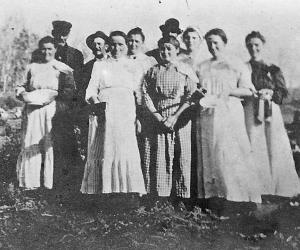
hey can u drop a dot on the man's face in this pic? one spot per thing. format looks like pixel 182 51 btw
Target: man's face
pixel 60 39
pixel 98 47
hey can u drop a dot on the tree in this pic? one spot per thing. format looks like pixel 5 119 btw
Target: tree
pixel 16 46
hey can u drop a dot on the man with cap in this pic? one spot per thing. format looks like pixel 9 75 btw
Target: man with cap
pixel 67 132
pixel 169 28
pixel 65 53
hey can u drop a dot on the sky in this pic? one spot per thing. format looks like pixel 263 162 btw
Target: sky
pixel 278 20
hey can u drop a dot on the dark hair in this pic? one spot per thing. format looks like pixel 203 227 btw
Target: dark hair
pixel 168 39
pixel 46 39
pixel 117 33
pixel 255 34
pixel 217 32
pixel 136 31
pixel 188 30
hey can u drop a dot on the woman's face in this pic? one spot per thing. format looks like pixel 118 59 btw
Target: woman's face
pixel 118 46
pixel 216 45
pixel 168 52
pixel 192 40
pixel 135 44
pixel 48 51
pixel 255 47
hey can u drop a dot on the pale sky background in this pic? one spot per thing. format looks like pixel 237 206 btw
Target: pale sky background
pixel 278 20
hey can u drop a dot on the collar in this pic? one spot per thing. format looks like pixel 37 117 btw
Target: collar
pixel 170 65
pixel 100 59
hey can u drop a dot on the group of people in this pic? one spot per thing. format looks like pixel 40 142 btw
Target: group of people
pixel 166 123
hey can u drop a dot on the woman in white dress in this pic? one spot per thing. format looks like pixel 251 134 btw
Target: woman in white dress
pixel 113 162
pixel 136 39
pixel 225 164
pixel 192 38
pixel 143 63
pixel 265 125
pixel 39 94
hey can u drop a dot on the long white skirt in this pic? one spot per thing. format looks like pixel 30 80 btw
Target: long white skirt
pixel 113 161
pixel 273 153
pixel 37 147
pixel 225 162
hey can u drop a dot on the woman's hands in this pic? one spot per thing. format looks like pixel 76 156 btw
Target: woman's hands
pixel 167 122
pixel 138 126
pixel 93 99
pixel 24 96
pixel 170 122
pixel 265 94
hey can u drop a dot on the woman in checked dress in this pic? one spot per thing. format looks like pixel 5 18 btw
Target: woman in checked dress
pixel 167 151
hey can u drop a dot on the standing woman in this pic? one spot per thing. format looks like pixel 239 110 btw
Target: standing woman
pixel 192 39
pixel 142 62
pixel 113 163
pixel 167 93
pixel 265 125
pixel 39 93
pixel 136 39
pixel 225 163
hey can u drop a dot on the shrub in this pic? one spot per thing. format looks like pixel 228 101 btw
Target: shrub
pixel 9 101
pixel 9 152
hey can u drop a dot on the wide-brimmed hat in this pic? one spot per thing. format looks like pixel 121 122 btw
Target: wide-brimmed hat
pixel 90 39
pixel 61 27
pixel 171 25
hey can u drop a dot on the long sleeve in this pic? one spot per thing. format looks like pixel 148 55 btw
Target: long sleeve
pixel 280 90
pixel 94 83
pixel 146 97
pixel 66 83
pixel 23 86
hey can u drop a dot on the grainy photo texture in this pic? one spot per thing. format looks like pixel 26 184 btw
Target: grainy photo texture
pixel 149 124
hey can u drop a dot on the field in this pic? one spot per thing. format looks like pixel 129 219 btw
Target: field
pixel 57 220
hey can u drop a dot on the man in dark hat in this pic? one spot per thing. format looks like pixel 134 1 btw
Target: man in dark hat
pixel 67 169
pixel 98 43
pixel 169 28
pixel 64 52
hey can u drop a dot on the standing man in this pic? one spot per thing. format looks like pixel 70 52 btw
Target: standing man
pixel 68 162
pixel 169 28
pixel 98 43
pixel 65 53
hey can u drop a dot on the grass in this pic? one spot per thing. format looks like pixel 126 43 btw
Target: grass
pixel 42 220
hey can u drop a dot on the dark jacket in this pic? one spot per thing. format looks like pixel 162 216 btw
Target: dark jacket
pixel 85 78
pixel 269 77
pixel 73 58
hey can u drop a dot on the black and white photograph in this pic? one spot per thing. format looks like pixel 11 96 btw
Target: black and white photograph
pixel 150 124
